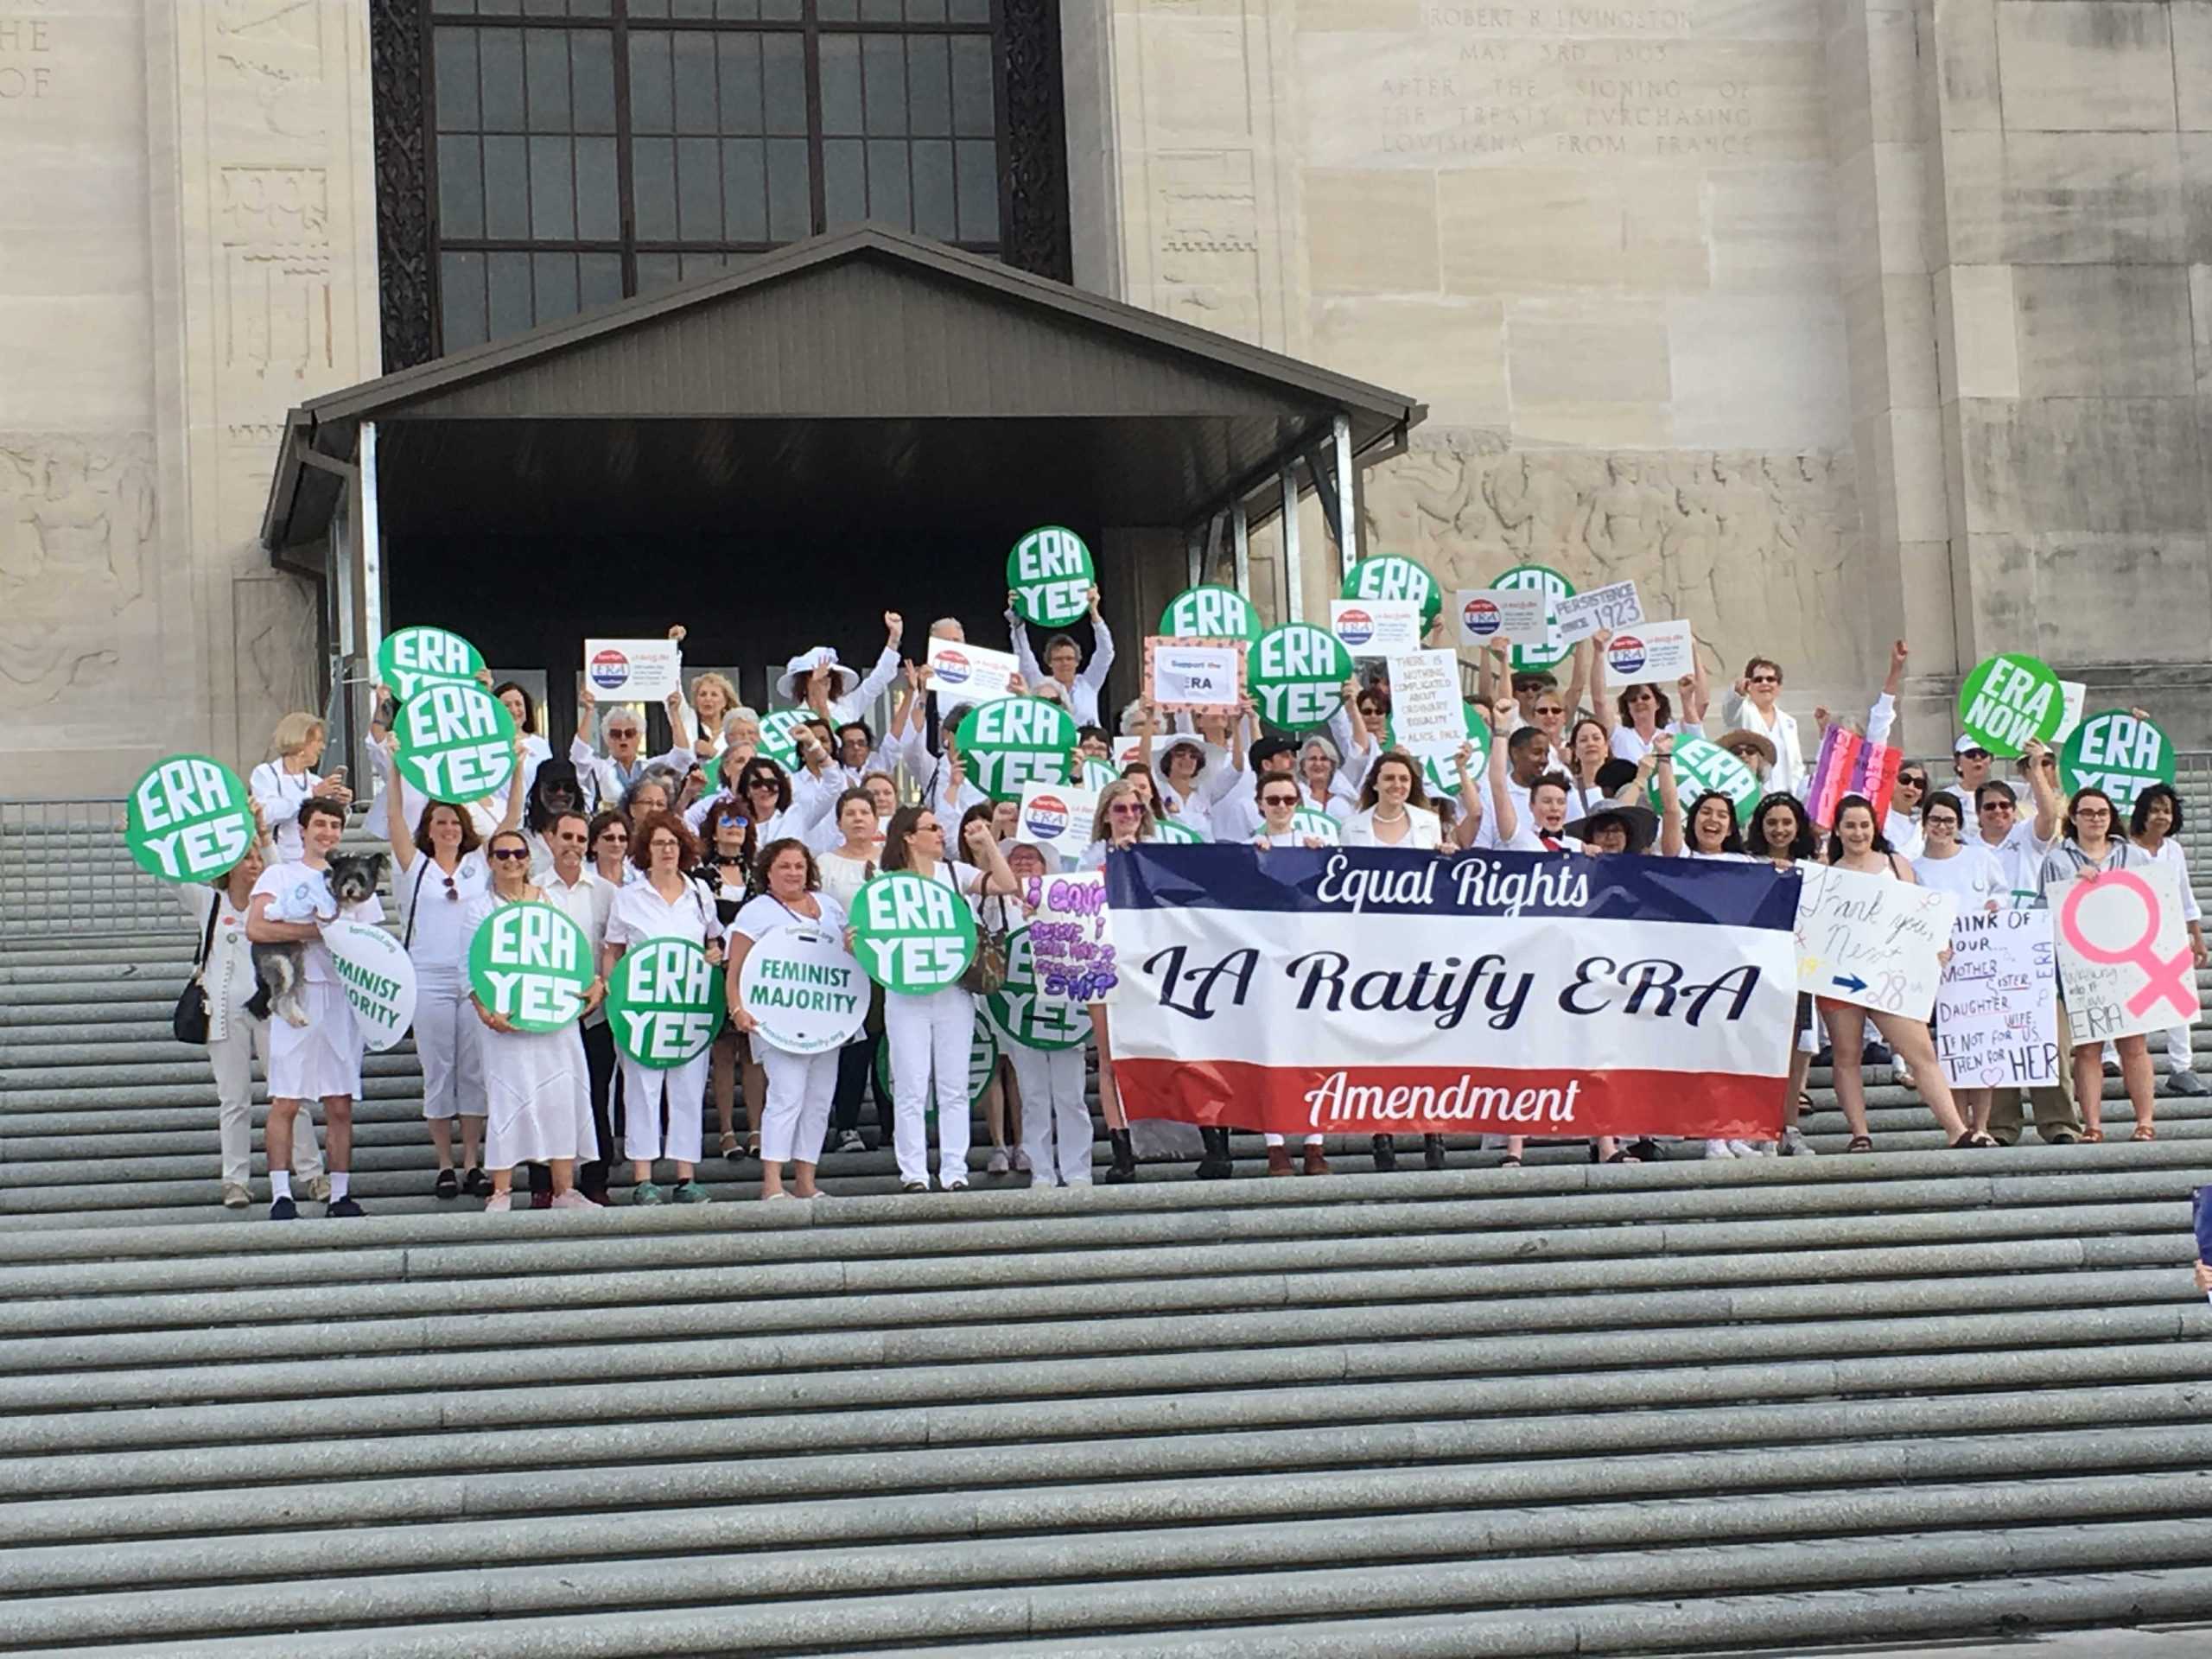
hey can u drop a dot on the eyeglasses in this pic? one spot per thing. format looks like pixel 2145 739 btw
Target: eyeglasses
pixel 928 829
pixel 505 854
pixel 1125 810
pixel 1939 821
pixel 663 844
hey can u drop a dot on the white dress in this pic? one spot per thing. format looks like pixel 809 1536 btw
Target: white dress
pixel 537 1085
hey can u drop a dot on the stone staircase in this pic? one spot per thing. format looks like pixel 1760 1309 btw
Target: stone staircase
pixel 1689 1407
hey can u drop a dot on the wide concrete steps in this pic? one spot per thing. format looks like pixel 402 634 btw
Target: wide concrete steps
pixel 1478 1411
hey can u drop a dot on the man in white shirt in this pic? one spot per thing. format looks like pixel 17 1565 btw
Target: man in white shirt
pixel 587 898
pixel 1062 654
pixel 1527 757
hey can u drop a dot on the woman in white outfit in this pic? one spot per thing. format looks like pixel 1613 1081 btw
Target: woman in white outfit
pixel 801 1087
pixel 931 1034
pixel 1056 1132
pixel 666 905
pixel 1969 872
pixel 281 786
pixel 1393 808
pixel 537 1083
pixel 2154 825
pixel 440 873
pixel 234 1037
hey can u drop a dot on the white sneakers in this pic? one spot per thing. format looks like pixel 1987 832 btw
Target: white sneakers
pixel 236 1197
pixel 1721 1149
pixel 571 1200
pixel 1741 1149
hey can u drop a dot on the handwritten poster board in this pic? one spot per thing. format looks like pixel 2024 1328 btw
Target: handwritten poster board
pixel 1997 1008
pixel 2123 952
pixel 1870 939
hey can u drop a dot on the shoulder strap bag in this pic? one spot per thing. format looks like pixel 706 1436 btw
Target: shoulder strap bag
pixel 987 973
pixel 190 1020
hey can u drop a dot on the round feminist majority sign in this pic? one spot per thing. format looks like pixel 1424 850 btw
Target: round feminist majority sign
pixel 1701 765
pixel 1393 578
pixel 531 962
pixel 1014 742
pixel 1297 674
pixel 1209 612
pixel 804 989
pixel 2118 754
pixel 188 819
pixel 1545 580
pixel 1049 573
pixel 911 935
pixel 1022 1011
pixel 2008 699
pixel 414 657
pixel 456 742
pixel 665 1003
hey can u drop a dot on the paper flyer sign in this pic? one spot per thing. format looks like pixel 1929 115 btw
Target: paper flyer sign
pixel 1997 1008
pixel 1071 941
pixel 1660 653
pixel 1615 606
pixel 1057 815
pixel 1872 939
pixel 1189 675
pixel 632 670
pixel 1428 715
pixel 2074 696
pixel 962 673
pixel 1376 628
pixel 2123 952
pixel 1497 616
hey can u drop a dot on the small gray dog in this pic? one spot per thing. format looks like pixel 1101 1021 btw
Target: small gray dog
pixel 280 971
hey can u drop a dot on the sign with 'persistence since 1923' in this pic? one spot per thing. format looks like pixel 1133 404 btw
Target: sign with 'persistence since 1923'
pixel 632 670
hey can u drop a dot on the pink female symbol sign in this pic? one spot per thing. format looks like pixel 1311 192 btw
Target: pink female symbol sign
pixel 2166 979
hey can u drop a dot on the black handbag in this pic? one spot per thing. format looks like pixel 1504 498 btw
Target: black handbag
pixel 987 972
pixel 189 1022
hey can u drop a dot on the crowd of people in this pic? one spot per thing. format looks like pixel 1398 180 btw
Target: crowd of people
pixel 713 842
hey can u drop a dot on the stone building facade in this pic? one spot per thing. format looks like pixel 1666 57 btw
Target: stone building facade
pixel 1828 321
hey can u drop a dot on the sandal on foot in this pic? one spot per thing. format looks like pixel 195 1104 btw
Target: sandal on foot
pixel 1971 1138
pixel 2093 1135
pixel 2144 1132
pixel 729 1143
pixel 1509 1162
pixel 1859 1143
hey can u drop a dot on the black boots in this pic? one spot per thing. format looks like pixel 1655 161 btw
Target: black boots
pixel 1386 1151
pixel 1124 1169
pixel 1432 1150
pixel 1215 1165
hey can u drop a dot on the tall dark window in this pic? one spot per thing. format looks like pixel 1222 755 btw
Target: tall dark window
pixel 582 150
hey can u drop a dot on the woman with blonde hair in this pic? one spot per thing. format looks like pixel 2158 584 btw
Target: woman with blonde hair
pixel 281 786
pixel 1124 817
pixel 698 723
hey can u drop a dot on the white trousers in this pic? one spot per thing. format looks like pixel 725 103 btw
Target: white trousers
pixel 687 1092
pixel 796 1116
pixel 930 1033
pixel 1276 1139
pixel 233 1056
pixel 449 1041
pixel 1055 1117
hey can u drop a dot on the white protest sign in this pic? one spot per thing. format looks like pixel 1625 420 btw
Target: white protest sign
pixel 1376 628
pixel 1057 815
pixel 632 670
pixel 960 673
pixel 377 976
pixel 1497 616
pixel 1186 676
pixel 1997 1008
pixel 2073 696
pixel 1614 605
pixel 1870 939
pixel 2123 952
pixel 1126 747
pixel 1071 936
pixel 1427 715
pixel 804 989
pixel 1660 653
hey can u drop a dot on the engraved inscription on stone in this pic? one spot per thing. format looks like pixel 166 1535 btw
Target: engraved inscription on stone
pixel 26 58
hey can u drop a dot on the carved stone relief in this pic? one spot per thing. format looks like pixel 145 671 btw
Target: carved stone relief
pixel 274 616
pixel 76 524
pixel 1750 547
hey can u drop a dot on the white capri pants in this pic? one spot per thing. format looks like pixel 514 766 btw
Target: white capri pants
pixel 447 1041
pixel 796 1114
pixel 687 1093
pixel 232 1055
pixel 1055 1117
pixel 937 1030
pixel 1276 1139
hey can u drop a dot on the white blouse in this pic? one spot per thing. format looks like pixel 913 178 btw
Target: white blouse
pixel 1424 831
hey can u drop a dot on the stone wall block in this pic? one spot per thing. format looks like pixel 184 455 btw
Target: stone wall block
pixel 2085 66
pixel 1979 354
pixel 2191 21
pixel 2063 198
pixel 1962 34
pixel 2104 331
pixel 2119 465
pixel 1370 232
pixel 2105 596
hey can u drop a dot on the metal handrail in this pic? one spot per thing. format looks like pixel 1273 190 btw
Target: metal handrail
pixel 65 873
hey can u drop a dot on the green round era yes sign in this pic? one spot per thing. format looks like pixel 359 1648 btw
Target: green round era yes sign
pixel 664 1002
pixel 456 742
pixel 2008 699
pixel 414 657
pixel 1544 579
pixel 1049 573
pixel 779 741
pixel 1023 1014
pixel 1701 765
pixel 1209 612
pixel 1392 578
pixel 533 964
pixel 911 935
pixel 1297 673
pixel 188 819
pixel 1014 742
pixel 2116 753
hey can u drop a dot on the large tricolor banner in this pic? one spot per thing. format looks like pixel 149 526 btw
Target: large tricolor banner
pixel 1376 991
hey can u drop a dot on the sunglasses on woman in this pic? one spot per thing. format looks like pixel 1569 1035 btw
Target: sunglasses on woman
pixel 505 855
